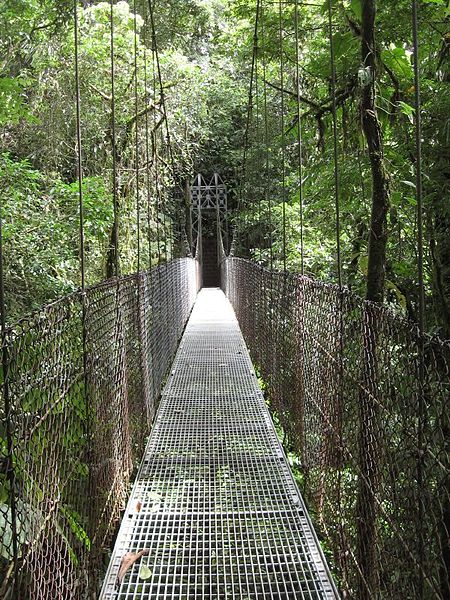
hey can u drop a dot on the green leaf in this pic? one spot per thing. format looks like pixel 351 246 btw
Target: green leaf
pixel 145 573
pixel 12 100
pixel 356 7
pixel 398 60
pixel 153 496
pixel 4 489
pixel 409 183
pixel 344 43
pixel 74 521
pixel 407 110
pixel 364 263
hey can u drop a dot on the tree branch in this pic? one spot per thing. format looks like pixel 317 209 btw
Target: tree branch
pixel 100 93
pixel 293 94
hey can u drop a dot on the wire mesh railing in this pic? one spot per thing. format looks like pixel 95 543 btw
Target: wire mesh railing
pixel 348 379
pixel 82 380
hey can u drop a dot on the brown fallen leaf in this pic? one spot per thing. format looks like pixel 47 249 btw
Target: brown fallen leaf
pixel 138 506
pixel 128 561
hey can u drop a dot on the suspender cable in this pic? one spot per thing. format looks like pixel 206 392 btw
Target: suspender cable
pixel 166 198
pixel 155 158
pixel 250 91
pixel 155 139
pixel 335 144
pixel 10 474
pixel 249 108
pixel 421 311
pixel 299 138
pixel 268 294
pixel 79 149
pixel 136 149
pixel 163 195
pixel 82 250
pixel 114 147
pixel 419 187
pixel 162 94
pixel 147 168
pixel 267 195
pixel 283 140
pixel 258 141
pixel 338 407
pixel 161 88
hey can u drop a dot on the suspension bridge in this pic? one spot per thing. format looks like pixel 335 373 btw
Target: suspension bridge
pixel 139 455
pixel 214 503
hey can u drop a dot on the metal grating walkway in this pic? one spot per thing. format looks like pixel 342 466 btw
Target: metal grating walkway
pixel 214 501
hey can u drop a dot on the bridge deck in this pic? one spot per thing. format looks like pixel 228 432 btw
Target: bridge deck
pixel 214 501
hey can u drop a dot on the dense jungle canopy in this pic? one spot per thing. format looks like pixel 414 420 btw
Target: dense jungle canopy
pixel 205 50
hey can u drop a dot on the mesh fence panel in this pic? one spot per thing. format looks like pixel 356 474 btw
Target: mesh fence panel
pixel 346 379
pixel 83 379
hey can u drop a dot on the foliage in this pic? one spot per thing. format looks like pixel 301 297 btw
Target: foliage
pixel 205 51
pixel 40 230
pixel 395 101
pixel 205 54
pixel 38 176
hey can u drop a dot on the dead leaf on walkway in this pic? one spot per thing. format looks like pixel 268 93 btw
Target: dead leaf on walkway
pixel 128 561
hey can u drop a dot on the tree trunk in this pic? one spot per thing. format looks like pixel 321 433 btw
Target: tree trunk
pixel 439 226
pixel 366 509
pixel 380 179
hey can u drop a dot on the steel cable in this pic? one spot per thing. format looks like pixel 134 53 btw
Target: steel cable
pixel 114 145
pixel 136 126
pixel 267 195
pixel 335 145
pixel 421 311
pixel 283 138
pixel 242 205
pixel 299 137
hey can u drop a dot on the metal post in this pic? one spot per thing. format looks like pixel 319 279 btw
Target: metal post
pixel 188 202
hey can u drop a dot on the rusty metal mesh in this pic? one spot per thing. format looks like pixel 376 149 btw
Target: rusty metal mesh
pixel 214 505
pixel 80 409
pixel 346 379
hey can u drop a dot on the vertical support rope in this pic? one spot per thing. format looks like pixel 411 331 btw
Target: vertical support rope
pixel 267 195
pixel 283 139
pixel 299 138
pixel 421 319
pixel 163 101
pixel 249 114
pixel 268 293
pixel 147 168
pixel 10 473
pixel 160 81
pixel 149 163
pixel 79 151
pixel 136 149
pixel 114 145
pixel 155 158
pixel 419 187
pixel 335 144
pixel 79 148
pixel 338 408
pixel 257 136
pixel 140 344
